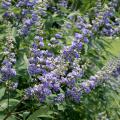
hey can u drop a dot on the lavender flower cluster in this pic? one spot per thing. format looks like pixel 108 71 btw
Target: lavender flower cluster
pixel 112 69
pixel 57 8
pixel 7 70
pixel 104 19
pixel 102 25
pixel 25 13
pixel 81 37
pixel 50 71
pixel 53 83
pixel 59 74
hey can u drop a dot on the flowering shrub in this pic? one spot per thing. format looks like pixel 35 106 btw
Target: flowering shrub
pixel 50 52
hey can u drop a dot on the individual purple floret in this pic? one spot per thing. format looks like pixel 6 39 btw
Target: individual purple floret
pixel 58 36
pixel 13 85
pixel 63 3
pixel 60 98
pixel 6 4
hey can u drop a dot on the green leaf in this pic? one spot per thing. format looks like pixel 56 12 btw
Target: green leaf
pixel 26 60
pixel 45 116
pixel 2 92
pixel 44 111
pixel 2 116
pixel 4 103
pixel 12 117
pixel 14 32
pixel 25 114
pixel 16 10
pixel 60 107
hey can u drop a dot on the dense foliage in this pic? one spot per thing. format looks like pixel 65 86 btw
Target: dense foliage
pixel 53 57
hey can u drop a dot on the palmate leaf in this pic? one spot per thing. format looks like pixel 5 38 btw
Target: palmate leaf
pixel 42 112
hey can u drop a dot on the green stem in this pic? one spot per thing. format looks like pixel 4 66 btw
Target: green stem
pixel 8 96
